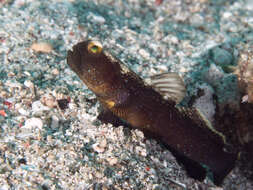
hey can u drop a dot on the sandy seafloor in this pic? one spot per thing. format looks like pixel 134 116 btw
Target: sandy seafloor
pixel 43 146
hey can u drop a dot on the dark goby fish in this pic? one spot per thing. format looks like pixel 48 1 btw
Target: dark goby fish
pixel 151 108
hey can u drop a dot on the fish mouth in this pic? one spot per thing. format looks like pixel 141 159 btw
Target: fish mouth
pixel 70 60
pixel 69 53
pixel 74 62
pixel 69 56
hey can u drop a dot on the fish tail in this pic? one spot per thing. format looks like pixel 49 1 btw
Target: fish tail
pixel 224 168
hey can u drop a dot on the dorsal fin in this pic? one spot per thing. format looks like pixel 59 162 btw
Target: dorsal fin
pixel 169 85
pixel 196 115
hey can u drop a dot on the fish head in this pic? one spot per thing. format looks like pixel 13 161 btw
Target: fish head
pixel 94 66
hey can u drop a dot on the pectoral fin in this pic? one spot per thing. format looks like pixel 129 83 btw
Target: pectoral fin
pixel 169 85
pixel 106 116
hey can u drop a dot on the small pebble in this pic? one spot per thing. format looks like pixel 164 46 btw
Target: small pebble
pixel 22 161
pixel 48 100
pixel 112 161
pixel 55 71
pixel 37 106
pixel 23 111
pixel 97 148
pixel 42 47
pixel 29 84
pixel 141 151
pixel 222 57
pixel 3 113
pixel 144 53
pixel 5 187
pixel 54 122
pixel 103 143
pixel 96 18
pixel 197 20
pixel 63 103
pixel 33 123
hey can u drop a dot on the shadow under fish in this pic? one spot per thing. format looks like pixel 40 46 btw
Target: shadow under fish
pixel 153 109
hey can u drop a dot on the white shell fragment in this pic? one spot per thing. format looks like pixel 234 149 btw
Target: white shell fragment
pixel 42 47
pixel 37 106
pixel 33 123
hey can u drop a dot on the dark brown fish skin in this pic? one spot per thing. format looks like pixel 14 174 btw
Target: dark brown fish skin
pixel 124 93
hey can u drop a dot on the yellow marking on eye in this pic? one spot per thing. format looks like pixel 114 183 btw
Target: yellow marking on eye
pixel 110 103
pixel 95 47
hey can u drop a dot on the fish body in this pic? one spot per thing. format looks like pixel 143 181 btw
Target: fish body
pixel 123 93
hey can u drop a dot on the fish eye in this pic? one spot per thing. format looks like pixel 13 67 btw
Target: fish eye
pixel 95 47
